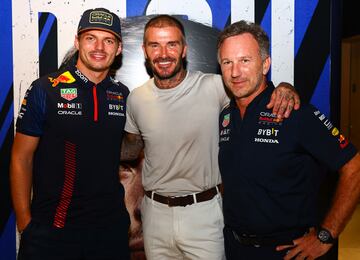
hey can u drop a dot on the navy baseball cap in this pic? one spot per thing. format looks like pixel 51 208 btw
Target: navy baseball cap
pixel 100 19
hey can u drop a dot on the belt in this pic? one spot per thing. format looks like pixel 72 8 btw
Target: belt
pixel 185 200
pixel 283 238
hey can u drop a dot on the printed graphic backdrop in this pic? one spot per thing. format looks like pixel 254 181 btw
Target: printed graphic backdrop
pixel 35 35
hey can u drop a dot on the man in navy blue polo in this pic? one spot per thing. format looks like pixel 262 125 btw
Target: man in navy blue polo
pixel 270 167
pixel 67 151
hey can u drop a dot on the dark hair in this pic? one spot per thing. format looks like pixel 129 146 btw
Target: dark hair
pixel 242 27
pixel 165 20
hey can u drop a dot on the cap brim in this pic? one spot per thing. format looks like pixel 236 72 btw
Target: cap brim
pixel 100 29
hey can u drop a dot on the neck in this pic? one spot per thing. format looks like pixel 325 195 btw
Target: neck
pixel 243 102
pixel 171 82
pixel 93 76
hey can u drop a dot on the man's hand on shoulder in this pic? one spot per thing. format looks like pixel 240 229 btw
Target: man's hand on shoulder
pixel 283 100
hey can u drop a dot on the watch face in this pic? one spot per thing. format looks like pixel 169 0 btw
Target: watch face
pixel 324 236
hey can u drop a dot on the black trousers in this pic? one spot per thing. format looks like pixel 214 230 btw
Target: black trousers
pixel 235 251
pixel 40 241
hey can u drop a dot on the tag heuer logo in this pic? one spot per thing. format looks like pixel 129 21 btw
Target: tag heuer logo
pixel 226 120
pixel 68 93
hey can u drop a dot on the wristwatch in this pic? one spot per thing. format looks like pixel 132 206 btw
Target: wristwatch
pixel 325 236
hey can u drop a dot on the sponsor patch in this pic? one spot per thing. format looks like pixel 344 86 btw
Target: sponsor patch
pixel 266 140
pixel 68 93
pixel 111 95
pixel 69 105
pixel 268 132
pixel 343 141
pixel 335 132
pixel 116 107
pixel 226 120
pixel 66 78
pixel 81 76
pixel 101 17
pixel 267 118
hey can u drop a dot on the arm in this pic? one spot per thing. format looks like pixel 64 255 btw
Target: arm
pixel 283 100
pixel 132 145
pixel 21 167
pixel 344 203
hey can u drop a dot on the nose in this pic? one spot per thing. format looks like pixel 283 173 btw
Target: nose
pixel 163 52
pixel 99 45
pixel 236 70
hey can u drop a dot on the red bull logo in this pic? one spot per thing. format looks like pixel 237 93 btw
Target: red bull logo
pixel 66 78
pixel 343 142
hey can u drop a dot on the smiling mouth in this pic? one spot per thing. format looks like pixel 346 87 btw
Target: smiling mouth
pixel 238 81
pixel 164 62
pixel 98 56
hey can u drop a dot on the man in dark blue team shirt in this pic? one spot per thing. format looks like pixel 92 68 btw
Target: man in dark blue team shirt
pixel 67 151
pixel 270 167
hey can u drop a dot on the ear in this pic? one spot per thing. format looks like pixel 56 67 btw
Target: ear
pixel 76 42
pixel 144 51
pixel 266 65
pixel 119 48
pixel 184 51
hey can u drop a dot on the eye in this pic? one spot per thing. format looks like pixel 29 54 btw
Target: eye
pixel 172 44
pixel 89 38
pixel 110 41
pixel 245 60
pixel 153 45
pixel 225 62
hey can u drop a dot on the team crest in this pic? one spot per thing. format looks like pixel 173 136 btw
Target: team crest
pixel 66 77
pixel 68 93
pixel 226 120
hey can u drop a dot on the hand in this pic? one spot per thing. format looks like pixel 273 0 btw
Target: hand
pixel 22 224
pixel 283 100
pixel 307 247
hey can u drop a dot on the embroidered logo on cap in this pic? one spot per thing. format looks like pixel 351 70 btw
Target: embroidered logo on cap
pixel 101 17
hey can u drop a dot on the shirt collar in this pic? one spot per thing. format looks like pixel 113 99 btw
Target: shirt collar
pixel 85 81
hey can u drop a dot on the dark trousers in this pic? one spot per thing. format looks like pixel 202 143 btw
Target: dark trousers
pixel 236 251
pixel 39 242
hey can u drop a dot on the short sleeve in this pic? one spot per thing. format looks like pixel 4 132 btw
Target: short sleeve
pixel 323 140
pixel 130 125
pixel 31 116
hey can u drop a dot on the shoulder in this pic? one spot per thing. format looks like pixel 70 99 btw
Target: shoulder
pixel 209 77
pixel 308 116
pixel 208 82
pixel 141 91
pixel 117 85
pixel 52 80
